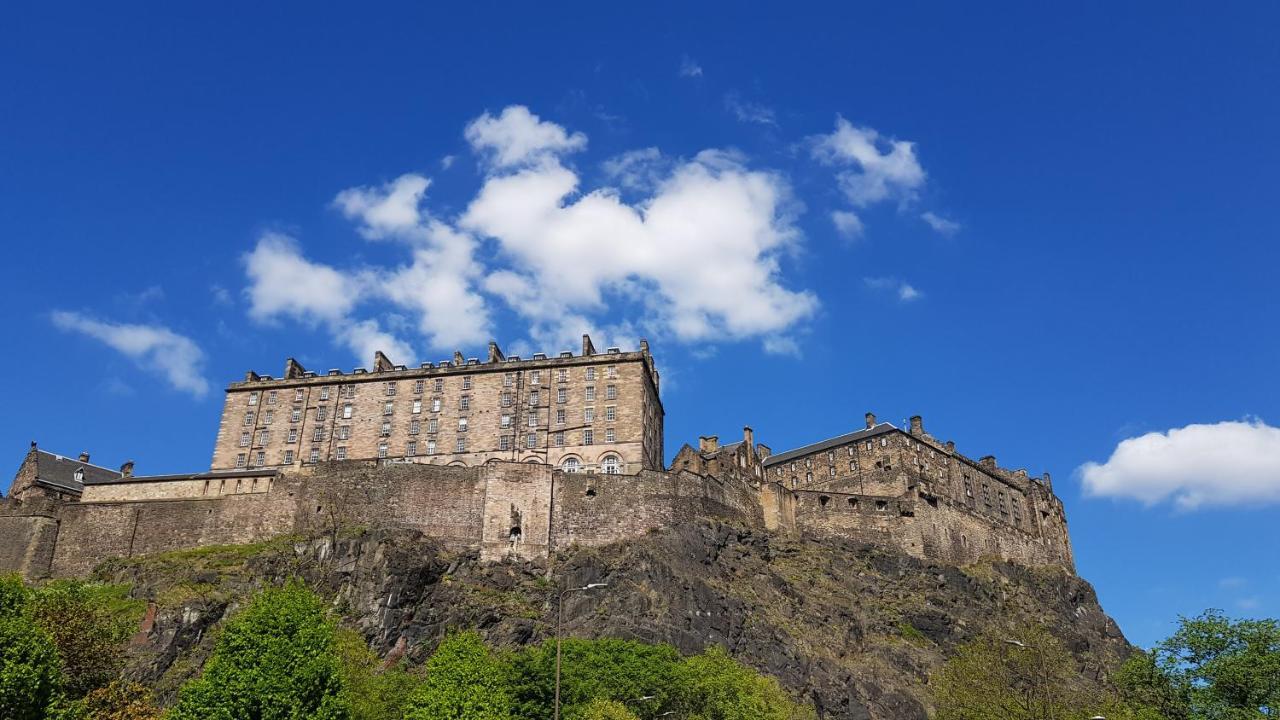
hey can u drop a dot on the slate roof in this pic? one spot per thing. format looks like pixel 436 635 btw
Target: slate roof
pixel 59 472
pixel 880 429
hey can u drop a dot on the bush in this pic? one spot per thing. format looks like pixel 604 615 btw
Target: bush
pixel 120 700
pixel 464 682
pixel 88 633
pixel 30 670
pixel 374 693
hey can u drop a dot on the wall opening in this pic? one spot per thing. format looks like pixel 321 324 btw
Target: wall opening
pixel 823 500
pixel 853 502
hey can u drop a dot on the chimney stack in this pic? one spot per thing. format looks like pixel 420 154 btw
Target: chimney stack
pixel 748 436
pixel 709 443
pixel 1048 482
pixel 587 348
pixel 458 360
pixel 951 447
pixel 293 369
pixel 988 461
pixel 644 346
pixel 126 470
pixel 382 363
pixel 84 457
pixel 871 420
pixel 495 352
pixel 917 425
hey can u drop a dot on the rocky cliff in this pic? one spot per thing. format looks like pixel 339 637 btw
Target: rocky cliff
pixel 855 628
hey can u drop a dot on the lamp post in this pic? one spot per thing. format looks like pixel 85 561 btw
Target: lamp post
pixel 559 617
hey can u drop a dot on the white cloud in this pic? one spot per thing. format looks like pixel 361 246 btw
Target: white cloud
pixel 221 296
pixel 689 68
pixel 637 169
pixel 1233 463
pixel 904 291
pixel 282 283
pixel 847 223
pixel 940 224
pixel 874 169
pixel 749 112
pixel 387 211
pixel 517 137
pixel 177 357
pixel 447 161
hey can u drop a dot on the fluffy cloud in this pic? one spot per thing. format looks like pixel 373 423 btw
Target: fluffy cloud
pixel 903 291
pixel 517 137
pixel 848 224
pixel 871 169
pixel 282 283
pixel 387 211
pixel 1224 464
pixel 177 357
pixel 940 224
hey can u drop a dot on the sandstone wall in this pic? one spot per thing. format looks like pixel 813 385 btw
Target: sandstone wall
pixel 27 540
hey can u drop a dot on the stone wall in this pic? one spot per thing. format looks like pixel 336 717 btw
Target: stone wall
pixel 27 540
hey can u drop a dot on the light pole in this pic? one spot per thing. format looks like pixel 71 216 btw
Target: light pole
pixel 559 617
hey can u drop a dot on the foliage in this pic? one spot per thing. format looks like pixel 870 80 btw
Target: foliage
pixel 1147 691
pixel 714 686
pixel 601 709
pixel 374 693
pixel 464 682
pixel 608 669
pixel 275 660
pixel 120 700
pixel 14 595
pixel 1026 675
pixel 30 670
pixel 88 624
pixel 1228 669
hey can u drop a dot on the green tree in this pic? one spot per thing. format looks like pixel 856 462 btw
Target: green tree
pixel 374 692
pixel 275 660
pixel 1145 691
pixel 714 686
pixel 120 700
pixel 1230 669
pixel 1025 675
pixel 464 681
pixel 88 635
pixel 607 669
pixel 30 670
pixel 14 595
pixel 602 709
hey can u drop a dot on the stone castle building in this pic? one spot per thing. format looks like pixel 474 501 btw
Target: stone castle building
pixel 513 457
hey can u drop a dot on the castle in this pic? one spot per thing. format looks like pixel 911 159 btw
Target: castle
pixel 512 457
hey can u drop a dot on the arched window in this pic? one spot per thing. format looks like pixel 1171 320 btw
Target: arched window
pixel 611 465
pixel 570 465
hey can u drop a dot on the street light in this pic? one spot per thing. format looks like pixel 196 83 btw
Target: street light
pixel 559 617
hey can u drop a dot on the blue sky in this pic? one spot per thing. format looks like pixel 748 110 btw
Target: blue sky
pixel 1046 232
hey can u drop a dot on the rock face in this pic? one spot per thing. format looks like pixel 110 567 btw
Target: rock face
pixel 855 628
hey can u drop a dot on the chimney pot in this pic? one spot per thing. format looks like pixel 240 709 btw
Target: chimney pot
pixel 84 457
pixel 917 425
pixel 126 470
pixel 951 446
pixel 871 420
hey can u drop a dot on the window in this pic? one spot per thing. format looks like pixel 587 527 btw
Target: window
pixel 506 399
pixel 831 471
pixel 261 459
pixel 412 448
pixel 382 450
pixel 391 388
pixel 533 398
pixel 253 398
pixel 435 405
pixel 535 377
pixel 461 445
pixel 341 453
pixel 244 439
pixel 348 391
pixel 591 393
pixel 322 412
pixel 504 442
pixel 531 440
pixel 610 435
pixel 346 411
pixel 324 393
pixel 882 505
pixel 271 397
pixel 533 421
pixel 562 395
pixel 462 424
pixel 293 435
pixel 315 454
pixel 417 407
pixel 570 465
pixel 417 387
pixel 611 465
pixel 853 465
pixel 588 438
pixel 504 421
pixel 268 417
pixel 386 429
pixel 295 415
pixel 433 425
pixel 808 478
pixel 559 439
pixel 588 414
pixel 884 442
pixel 344 432
pixel 431 447
pixel 611 372
pixel 318 435
pixel 560 415
pixel 508 379
pixel 388 407
pixel 464 402
pixel 297 395
pixel 288 457
pixel 562 375
pixel 439 385
pixel 610 413
pixel 248 418
pixel 591 374
pixel 610 392
pixel 414 427
pixel 240 460
pixel 466 383
pixel 264 437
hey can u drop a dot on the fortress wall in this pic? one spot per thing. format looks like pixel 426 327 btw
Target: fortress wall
pixel 174 489
pixel 517 510
pixel 27 542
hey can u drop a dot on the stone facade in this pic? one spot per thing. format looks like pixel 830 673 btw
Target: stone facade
pixel 880 484
pixel 590 411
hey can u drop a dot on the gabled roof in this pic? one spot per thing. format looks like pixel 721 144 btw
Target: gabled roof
pixel 60 473
pixel 845 439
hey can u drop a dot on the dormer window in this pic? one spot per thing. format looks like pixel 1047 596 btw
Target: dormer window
pixel 79 475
